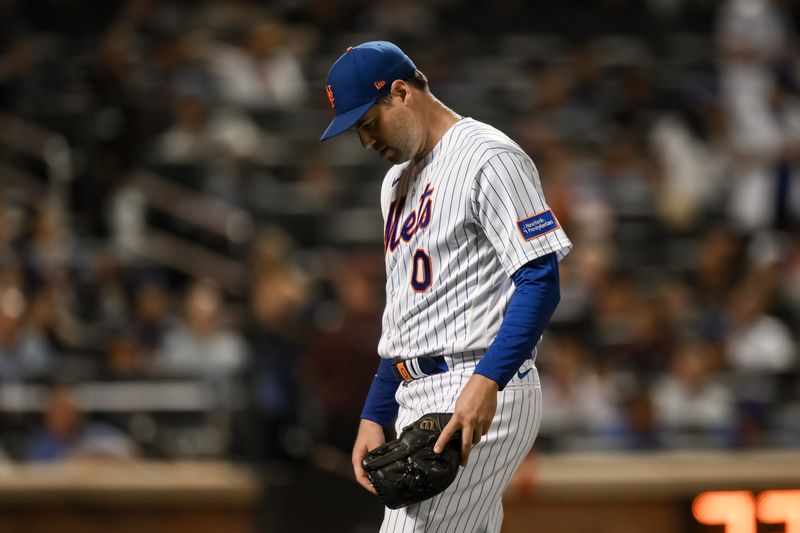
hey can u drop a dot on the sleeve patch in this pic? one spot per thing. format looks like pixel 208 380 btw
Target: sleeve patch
pixel 538 225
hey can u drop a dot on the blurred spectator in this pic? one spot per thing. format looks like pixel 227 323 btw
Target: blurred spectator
pixel 273 248
pixel 227 18
pixel 50 253
pixel 588 91
pixel 757 341
pixel 342 358
pixel 639 430
pixel 152 315
pixel 201 345
pixel 277 339
pixel 689 146
pixel 260 72
pixel 52 257
pixel 717 267
pixel 789 282
pixel 691 408
pixel 99 192
pixel 21 84
pixel 12 223
pixel 318 189
pixel 51 316
pixel 67 435
pixel 651 339
pixel 110 301
pixel 116 72
pixel 753 425
pixel 552 88
pixel 82 313
pixel 629 177
pixel 202 134
pixel 786 101
pixel 125 360
pixel 614 305
pixel 578 404
pixel 679 309
pixel 399 19
pixel 116 82
pixel 752 36
pixel 639 101
pixel 126 217
pixel 24 352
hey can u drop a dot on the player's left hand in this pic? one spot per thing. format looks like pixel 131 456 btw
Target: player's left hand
pixel 473 414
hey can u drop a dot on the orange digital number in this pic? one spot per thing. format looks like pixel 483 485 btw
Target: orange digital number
pixel 736 510
pixel 780 506
pixel 739 511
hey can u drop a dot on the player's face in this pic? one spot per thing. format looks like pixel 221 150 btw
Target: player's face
pixel 388 128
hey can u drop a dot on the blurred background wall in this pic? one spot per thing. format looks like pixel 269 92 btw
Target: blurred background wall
pixel 186 274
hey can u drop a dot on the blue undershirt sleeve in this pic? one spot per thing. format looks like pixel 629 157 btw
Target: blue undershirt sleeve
pixel 535 297
pixel 380 405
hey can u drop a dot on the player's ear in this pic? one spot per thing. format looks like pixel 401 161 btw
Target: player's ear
pixel 401 89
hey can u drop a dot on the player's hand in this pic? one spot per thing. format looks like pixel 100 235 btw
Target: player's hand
pixel 473 415
pixel 370 436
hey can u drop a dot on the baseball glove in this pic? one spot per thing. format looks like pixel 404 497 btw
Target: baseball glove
pixel 407 470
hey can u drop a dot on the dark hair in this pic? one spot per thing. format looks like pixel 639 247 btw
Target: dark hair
pixel 417 80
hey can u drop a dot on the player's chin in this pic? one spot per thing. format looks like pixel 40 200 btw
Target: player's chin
pixel 394 157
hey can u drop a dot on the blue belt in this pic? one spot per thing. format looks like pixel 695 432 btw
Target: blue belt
pixel 419 367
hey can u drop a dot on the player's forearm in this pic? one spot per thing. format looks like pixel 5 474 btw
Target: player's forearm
pixel 380 405
pixel 536 296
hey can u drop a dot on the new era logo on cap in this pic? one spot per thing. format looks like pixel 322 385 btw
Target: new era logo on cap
pixel 359 77
pixel 331 99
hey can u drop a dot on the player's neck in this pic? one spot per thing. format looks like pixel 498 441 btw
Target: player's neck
pixel 439 118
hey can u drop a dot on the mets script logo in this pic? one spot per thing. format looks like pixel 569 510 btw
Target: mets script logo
pixel 329 90
pixel 417 219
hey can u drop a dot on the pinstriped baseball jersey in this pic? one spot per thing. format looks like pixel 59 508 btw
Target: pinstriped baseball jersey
pixel 458 224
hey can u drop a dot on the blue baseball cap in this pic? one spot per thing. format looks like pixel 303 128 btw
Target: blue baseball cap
pixel 359 77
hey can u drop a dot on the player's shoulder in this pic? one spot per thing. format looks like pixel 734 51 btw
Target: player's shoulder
pixel 483 141
pixel 475 129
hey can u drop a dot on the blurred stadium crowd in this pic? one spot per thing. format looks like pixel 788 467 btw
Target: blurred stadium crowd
pixel 186 272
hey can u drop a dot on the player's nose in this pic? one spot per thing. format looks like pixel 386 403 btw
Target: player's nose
pixel 367 141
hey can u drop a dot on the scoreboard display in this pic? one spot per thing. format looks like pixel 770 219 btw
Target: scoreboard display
pixel 742 511
pixel 670 492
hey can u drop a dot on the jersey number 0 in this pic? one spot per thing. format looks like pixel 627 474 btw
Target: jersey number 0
pixel 421 271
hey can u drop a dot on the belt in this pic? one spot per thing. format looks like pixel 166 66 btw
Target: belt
pixel 419 367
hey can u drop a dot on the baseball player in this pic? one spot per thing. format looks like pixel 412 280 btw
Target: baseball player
pixel 471 251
